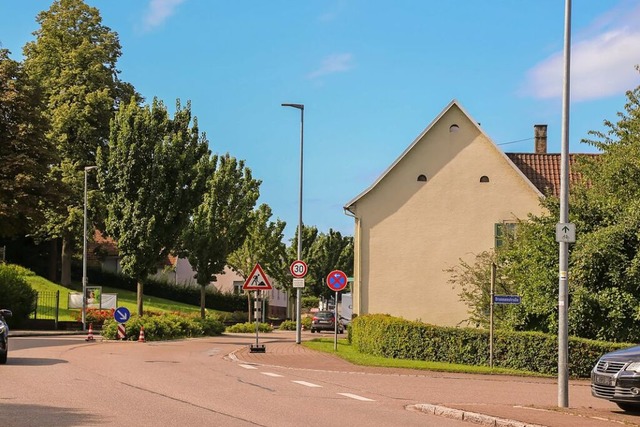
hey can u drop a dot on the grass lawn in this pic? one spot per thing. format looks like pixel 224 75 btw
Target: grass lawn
pixel 125 299
pixel 350 354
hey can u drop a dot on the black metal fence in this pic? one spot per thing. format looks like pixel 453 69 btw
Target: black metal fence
pixel 47 306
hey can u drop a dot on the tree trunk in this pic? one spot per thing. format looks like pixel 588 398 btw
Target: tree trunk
pixel 140 296
pixel 53 260
pixel 203 295
pixel 65 278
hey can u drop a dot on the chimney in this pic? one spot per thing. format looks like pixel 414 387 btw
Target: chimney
pixel 540 137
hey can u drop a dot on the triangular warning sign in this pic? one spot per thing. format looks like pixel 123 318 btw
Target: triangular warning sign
pixel 257 280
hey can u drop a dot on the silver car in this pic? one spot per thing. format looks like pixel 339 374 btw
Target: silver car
pixel 616 377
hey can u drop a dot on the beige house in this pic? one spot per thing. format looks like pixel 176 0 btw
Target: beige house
pixel 445 198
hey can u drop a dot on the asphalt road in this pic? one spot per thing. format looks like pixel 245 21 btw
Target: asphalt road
pixel 66 381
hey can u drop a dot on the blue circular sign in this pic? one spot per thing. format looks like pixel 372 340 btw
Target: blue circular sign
pixel 121 314
pixel 337 280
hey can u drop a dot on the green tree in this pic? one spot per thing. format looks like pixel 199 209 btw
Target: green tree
pixel 153 175
pixel 73 57
pixel 330 251
pixel 25 153
pixel 219 225
pixel 263 245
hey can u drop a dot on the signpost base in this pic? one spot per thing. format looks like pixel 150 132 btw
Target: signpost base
pixel 257 349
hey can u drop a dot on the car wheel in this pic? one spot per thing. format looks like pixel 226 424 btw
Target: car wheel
pixel 3 357
pixel 313 331
pixel 631 407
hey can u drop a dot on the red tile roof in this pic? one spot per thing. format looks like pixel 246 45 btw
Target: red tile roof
pixel 543 170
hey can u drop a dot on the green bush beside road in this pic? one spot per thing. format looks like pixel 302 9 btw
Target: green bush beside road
pixel 164 326
pixel 15 293
pixel 387 336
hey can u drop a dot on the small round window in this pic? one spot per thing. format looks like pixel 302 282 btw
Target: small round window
pixel 454 128
pixel 484 178
pixel 422 178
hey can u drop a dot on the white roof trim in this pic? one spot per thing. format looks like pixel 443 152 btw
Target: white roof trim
pixel 422 134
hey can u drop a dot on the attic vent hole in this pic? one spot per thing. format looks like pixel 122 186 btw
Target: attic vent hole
pixel 422 178
pixel 454 128
pixel 484 178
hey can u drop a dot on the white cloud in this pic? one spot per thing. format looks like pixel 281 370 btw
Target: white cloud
pixel 337 63
pixel 602 61
pixel 158 12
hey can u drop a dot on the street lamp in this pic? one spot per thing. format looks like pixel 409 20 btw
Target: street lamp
pixel 84 252
pixel 298 319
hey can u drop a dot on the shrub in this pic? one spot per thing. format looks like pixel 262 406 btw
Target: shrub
pixel 164 326
pixel 388 336
pixel 288 325
pixel 249 327
pixel 16 294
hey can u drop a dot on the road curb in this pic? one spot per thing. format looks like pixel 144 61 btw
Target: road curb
pixel 471 417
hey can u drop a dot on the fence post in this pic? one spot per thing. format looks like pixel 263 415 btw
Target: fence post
pixel 57 309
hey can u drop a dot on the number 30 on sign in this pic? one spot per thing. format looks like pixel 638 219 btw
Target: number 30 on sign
pixel 298 269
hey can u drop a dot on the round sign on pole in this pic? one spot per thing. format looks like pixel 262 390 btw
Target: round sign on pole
pixel 337 280
pixel 298 269
pixel 121 314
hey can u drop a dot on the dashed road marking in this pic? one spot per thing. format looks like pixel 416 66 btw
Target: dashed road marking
pixel 247 366
pixel 355 396
pixel 306 384
pixel 270 374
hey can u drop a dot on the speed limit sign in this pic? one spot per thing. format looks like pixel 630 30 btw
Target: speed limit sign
pixel 298 269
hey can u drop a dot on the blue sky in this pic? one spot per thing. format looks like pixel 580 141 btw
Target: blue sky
pixel 371 74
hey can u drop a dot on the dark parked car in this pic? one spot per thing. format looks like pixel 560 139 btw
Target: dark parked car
pixel 616 377
pixel 4 336
pixel 325 321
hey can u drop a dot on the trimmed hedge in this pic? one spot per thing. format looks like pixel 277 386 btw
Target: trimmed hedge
pixel 387 336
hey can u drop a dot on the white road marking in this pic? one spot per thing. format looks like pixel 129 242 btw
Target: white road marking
pixel 304 383
pixel 355 396
pixel 270 374
pixel 247 366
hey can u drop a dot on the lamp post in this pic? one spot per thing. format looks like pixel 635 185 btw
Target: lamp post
pixel 84 252
pixel 298 319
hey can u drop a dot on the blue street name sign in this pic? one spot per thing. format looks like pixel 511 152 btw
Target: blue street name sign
pixel 506 299
pixel 122 314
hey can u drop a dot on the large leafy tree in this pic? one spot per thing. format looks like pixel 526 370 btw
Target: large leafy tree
pixel 330 251
pixel 73 57
pixel 219 224
pixel 25 153
pixel 153 174
pixel 263 245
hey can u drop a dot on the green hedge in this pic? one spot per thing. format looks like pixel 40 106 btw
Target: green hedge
pixel 249 327
pixel 393 337
pixel 164 327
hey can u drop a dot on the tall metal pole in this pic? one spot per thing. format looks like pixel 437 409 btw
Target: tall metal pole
pixel 84 253
pixel 563 277
pixel 298 294
pixel 492 292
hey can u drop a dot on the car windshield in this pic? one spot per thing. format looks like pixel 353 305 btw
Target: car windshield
pixel 324 315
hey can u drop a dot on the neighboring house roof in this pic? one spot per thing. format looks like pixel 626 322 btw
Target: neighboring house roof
pixel 419 138
pixel 544 170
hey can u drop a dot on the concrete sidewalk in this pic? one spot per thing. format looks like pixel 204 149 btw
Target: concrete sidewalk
pixel 585 410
